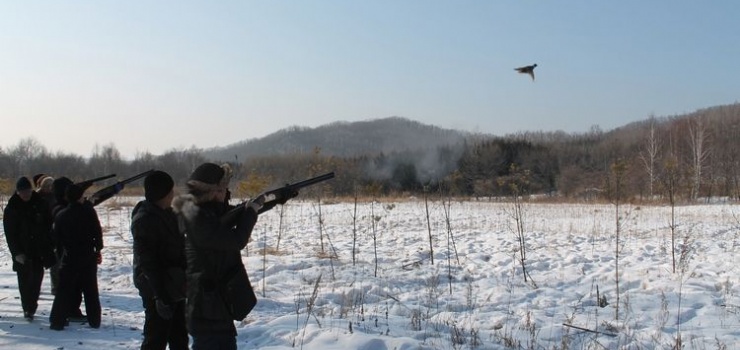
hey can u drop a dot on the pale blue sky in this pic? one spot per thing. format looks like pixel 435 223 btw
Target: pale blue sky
pixel 156 75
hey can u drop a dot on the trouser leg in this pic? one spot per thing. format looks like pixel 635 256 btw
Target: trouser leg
pixel 30 276
pixel 54 274
pixel 68 281
pixel 214 342
pixel 155 327
pixel 178 333
pixel 89 285
pixel 37 278
pixel 159 332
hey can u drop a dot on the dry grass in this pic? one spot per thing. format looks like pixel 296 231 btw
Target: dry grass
pixel 272 251
pixel 326 255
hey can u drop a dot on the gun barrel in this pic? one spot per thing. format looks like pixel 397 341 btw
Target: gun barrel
pixel 311 181
pixel 135 177
pixel 87 183
pixel 272 194
pixel 110 191
pixel 93 180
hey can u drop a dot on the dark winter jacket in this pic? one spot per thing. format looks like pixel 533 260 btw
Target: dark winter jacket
pixel 159 253
pixel 27 229
pixel 218 289
pixel 78 229
pixel 49 198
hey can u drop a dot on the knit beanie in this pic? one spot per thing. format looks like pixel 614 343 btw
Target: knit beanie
pixel 22 184
pixel 157 185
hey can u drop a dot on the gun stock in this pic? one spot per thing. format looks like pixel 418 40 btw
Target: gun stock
pixel 87 183
pixel 106 193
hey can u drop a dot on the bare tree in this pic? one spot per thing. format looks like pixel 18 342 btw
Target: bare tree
pixel 700 153
pixel 106 160
pixel 24 152
pixel 518 183
pixel 649 154
pixel 619 168
pixel 671 184
pixel 429 224
pixel 670 181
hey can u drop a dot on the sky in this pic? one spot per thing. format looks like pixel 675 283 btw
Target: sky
pixel 151 76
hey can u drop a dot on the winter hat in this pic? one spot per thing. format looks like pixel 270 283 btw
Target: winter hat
pixel 73 193
pixel 208 173
pixel 37 179
pixel 208 177
pixel 46 184
pixel 157 185
pixel 59 187
pixel 22 184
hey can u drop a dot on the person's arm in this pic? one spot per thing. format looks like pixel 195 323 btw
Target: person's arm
pixel 97 230
pixel 207 230
pixel 10 227
pixel 146 241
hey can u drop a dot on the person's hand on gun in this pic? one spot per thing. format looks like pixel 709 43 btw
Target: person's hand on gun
pixel 257 203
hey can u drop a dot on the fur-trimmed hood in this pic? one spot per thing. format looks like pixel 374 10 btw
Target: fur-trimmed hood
pixel 185 205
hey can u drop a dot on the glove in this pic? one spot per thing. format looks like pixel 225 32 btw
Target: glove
pixel 21 258
pixel 164 310
pixel 285 194
pixel 99 258
pixel 257 203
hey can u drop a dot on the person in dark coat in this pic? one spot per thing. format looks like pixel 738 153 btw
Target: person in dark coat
pixel 159 265
pixel 27 223
pixel 45 189
pixel 218 288
pixel 59 187
pixel 78 229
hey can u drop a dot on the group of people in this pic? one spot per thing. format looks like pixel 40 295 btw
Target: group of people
pixel 187 255
pixel 51 228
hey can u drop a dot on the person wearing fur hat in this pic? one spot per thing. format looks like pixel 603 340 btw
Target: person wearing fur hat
pixel 81 237
pixel 159 265
pixel 27 223
pixel 218 288
pixel 45 189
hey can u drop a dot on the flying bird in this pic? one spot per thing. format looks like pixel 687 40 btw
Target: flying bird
pixel 527 70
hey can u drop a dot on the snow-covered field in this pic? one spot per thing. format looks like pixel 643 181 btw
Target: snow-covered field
pixel 473 296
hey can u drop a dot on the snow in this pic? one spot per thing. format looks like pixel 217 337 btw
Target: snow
pixel 309 301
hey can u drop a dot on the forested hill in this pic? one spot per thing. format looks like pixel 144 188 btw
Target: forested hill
pixel 689 156
pixel 343 139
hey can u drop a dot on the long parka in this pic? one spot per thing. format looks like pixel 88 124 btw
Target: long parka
pixel 27 227
pixel 218 288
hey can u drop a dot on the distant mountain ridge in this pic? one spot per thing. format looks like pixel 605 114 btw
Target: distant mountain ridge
pixel 343 139
pixel 397 134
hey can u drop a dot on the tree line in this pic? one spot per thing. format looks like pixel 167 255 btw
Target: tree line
pixel 689 157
